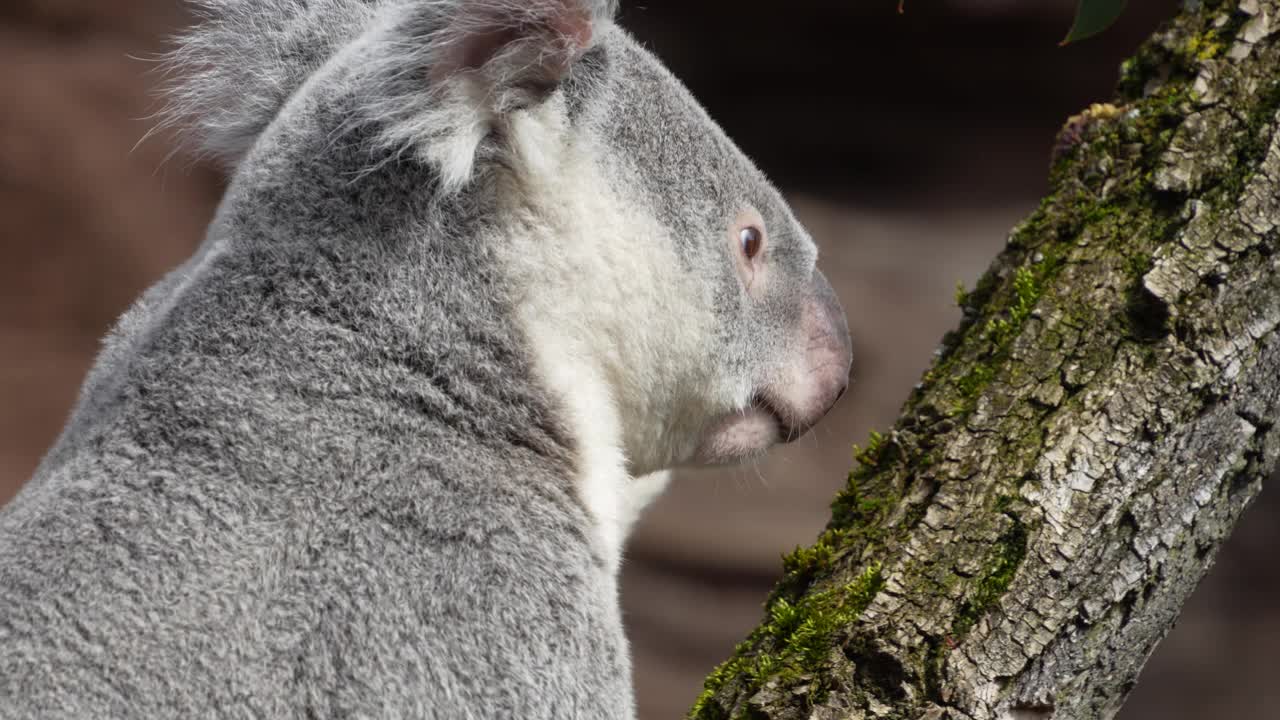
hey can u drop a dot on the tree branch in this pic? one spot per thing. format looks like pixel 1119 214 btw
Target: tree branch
pixel 1061 479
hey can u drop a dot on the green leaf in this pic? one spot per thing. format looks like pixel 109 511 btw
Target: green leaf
pixel 1092 17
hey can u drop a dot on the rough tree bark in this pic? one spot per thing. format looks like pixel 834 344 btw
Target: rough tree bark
pixel 1062 477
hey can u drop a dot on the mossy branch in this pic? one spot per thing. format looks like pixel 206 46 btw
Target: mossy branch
pixel 1063 475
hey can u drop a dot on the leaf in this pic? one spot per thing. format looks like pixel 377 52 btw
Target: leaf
pixel 1092 17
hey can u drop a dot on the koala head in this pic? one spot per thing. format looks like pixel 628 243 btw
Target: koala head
pixel 768 352
pixel 668 294
pixel 668 290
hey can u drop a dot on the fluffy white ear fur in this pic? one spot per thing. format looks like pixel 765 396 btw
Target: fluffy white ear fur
pixel 455 70
pixel 433 77
pixel 229 75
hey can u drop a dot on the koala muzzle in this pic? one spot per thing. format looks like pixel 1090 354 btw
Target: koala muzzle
pixel 819 374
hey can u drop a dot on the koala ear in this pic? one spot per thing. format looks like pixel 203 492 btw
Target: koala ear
pixel 453 71
pixel 521 49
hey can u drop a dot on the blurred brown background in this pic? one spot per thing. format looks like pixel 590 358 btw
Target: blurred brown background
pixel 908 144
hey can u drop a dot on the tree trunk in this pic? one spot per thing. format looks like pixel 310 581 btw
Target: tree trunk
pixel 1063 476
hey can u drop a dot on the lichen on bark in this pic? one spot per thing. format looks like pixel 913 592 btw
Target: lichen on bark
pixel 1063 475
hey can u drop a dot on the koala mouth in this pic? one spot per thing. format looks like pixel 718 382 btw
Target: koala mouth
pixel 786 430
pixel 747 433
pixel 792 420
pixel 766 421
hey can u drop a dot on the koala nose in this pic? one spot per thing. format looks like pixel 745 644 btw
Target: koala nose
pixel 813 376
pixel 817 373
pixel 830 352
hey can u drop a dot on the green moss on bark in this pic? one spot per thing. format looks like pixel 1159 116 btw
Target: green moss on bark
pixel 793 642
pixel 1065 301
pixel 1007 556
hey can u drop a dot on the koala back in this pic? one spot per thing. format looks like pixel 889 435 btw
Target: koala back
pixel 304 494
pixel 312 475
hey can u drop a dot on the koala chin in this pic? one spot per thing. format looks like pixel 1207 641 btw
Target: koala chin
pixel 484 272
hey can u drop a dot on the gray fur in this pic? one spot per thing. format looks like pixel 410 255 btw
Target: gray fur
pixel 314 472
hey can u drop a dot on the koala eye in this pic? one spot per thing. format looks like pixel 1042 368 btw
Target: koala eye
pixel 751 239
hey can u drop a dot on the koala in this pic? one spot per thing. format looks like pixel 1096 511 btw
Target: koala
pixel 484 272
